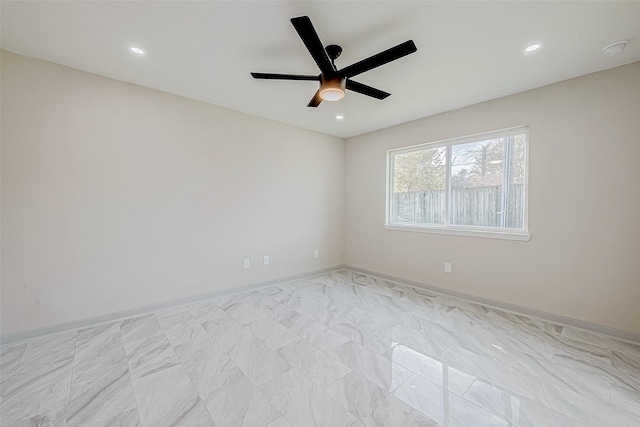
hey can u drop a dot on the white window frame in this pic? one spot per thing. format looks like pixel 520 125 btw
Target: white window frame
pixel 460 230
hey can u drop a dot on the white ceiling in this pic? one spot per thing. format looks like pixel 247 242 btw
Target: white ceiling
pixel 468 52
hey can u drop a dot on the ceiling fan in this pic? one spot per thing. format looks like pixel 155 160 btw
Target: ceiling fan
pixel 333 82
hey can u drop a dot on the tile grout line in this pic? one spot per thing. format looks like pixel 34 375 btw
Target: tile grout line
pixel 403 382
pixel 213 343
pixel 196 389
pixel 535 398
pixel 439 355
pixel 135 397
pixel 20 361
pixel 502 417
pixel 562 413
pixel 468 388
pixel 73 366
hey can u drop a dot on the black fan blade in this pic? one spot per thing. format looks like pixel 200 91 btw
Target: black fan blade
pixel 316 100
pixel 310 38
pixel 379 59
pixel 272 76
pixel 366 90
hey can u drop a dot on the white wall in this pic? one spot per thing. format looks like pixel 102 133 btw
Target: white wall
pixel 116 196
pixel 583 260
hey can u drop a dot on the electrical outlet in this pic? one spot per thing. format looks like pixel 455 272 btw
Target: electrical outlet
pixel 266 260
pixel 316 254
pixel 447 267
pixel 246 263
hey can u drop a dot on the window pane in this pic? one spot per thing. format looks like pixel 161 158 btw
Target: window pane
pixel 419 186
pixel 487 182
pixel 514 213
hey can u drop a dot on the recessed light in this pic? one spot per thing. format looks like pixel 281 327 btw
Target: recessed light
pixel 533 47
pixel 136 50
pixel 614 48
pixel 339 117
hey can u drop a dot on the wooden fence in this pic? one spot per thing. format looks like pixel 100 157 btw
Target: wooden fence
pixel 480 206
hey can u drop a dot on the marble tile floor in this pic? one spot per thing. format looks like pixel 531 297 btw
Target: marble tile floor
pixel 339 349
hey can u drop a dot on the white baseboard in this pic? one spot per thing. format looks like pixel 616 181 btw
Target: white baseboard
pixel 554 318
pixel 120 315
pixel 124 314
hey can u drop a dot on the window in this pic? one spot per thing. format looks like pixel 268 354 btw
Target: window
pixel 467 186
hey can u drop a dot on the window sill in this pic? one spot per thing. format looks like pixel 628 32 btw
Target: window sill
pixel 505 235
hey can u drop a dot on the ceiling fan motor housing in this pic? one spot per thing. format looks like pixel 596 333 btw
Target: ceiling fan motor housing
pixel 333 51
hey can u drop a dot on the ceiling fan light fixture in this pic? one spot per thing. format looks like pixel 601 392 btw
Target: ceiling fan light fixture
pixel 331 94
pixel 332 90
